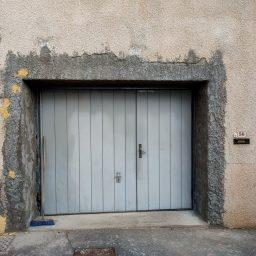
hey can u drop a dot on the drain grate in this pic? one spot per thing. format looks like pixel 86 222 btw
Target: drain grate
pixel 5 241
pixel 95 252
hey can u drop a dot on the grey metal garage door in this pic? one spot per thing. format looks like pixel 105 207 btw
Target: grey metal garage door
pixel 114 151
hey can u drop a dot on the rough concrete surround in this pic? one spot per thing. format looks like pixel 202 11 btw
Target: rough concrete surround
pixel 142 39
pixel 20 150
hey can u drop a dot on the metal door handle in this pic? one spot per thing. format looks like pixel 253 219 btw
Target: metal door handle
pixel 118 177
pixel 141 151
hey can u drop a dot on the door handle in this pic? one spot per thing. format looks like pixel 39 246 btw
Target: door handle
pixel 118 177
pixel 141 151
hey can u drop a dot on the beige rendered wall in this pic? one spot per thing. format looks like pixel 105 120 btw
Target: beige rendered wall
pixel 156 29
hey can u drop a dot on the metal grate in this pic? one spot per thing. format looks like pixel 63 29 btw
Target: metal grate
pixel 5 241
pixel 95 252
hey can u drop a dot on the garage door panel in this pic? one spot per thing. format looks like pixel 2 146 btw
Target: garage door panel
pixel 73 152
pixel 119 135
pixel 61 151
pixel 165 150
pixel 130 157
pixel 153 150
pixel 176 126
pixel 142 163
pixel 85 151
pixel 48 129
pixel 186 150
pixel 108 152
pixel 96 151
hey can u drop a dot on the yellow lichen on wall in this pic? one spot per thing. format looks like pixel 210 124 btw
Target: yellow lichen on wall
pixel 15 88
pixel 23 72
pixel 2 224
pixel 4 109
pixel 12 174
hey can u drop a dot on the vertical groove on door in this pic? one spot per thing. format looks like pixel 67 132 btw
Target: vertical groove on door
pixel 137 153
pixel 114 152
pixel 170 165
pixel 125 124
pixel 91 142
pixel 180 134
pixel 55 174
pixel 79 151
pixel 170 141
pixel 42 156
pixel 147 172
pixel 102 150
pixel 67 152
pixel 171 146
pixel 159 149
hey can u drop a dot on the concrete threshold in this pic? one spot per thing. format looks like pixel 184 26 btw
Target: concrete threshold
pixel 125 220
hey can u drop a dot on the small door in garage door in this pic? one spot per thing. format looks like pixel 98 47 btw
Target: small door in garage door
pixel 115 151
pixel 164 159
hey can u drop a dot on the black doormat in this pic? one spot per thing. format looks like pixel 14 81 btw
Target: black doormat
pixel 95 252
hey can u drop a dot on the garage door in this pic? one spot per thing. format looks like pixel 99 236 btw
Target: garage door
pixel 116 151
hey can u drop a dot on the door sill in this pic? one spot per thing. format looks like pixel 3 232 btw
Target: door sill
pixel 155 219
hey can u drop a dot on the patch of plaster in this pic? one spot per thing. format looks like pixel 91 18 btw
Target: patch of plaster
pixel 16 88
pixel 2 224
pixel 12 174
pixel 23 72
pixel 4 110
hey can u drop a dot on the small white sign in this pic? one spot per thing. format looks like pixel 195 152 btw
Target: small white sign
pixel 240 134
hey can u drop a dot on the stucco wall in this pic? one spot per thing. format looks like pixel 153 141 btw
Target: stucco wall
pixel 157 29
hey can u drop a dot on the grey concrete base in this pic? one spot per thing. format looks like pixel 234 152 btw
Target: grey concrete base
pixel 138 242
pixel 124 220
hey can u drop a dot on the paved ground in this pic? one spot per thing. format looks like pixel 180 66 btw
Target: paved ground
pixel 149 241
